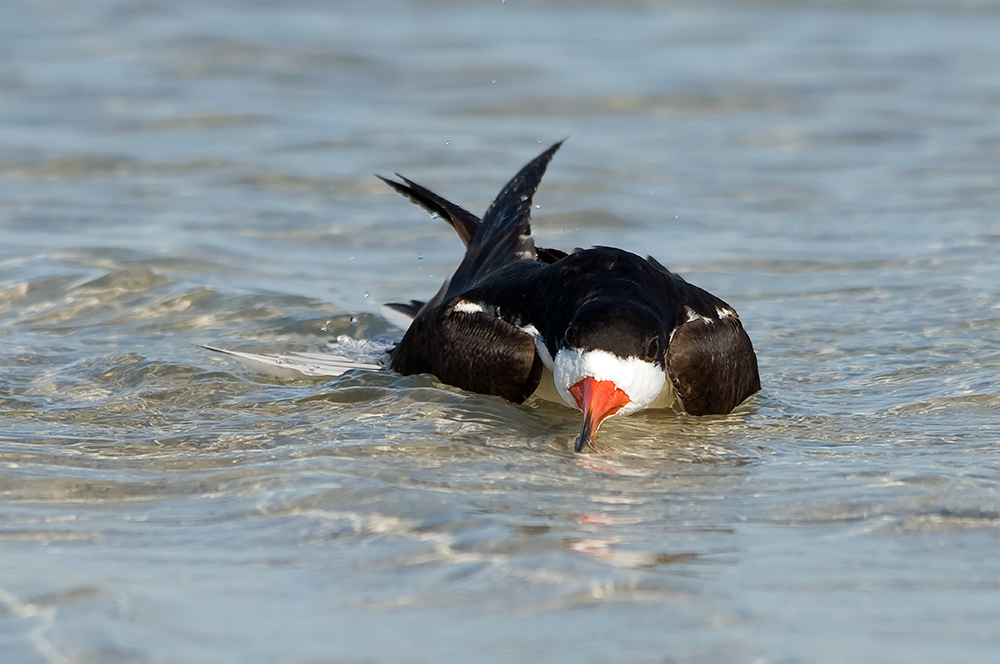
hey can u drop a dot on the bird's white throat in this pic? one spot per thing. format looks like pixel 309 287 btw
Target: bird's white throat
pixel 642 381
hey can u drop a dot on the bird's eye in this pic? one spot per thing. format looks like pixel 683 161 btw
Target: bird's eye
pixel 653 351
pixel 568 337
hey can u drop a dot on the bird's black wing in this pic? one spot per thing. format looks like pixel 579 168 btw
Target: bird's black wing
pixel 464 222
pixel 464 342
pixel 504 236
pixel 409 309
pixel 709 356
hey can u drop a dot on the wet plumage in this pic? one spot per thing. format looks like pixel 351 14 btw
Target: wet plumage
pixel 618 332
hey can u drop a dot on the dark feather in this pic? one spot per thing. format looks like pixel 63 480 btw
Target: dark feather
pixel 478 351
pixel 474 351
pixel 712 365
pixel 464 222
pixel 410 309
pixel 504 235
pixel 710 360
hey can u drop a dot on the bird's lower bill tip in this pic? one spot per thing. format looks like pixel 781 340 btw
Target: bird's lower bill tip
pixel 598 399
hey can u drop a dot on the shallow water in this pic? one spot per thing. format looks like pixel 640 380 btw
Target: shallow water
pixel 176 174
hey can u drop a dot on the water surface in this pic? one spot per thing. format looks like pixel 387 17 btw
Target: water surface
pixel 182 173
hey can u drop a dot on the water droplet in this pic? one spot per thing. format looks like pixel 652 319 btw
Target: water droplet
pixel 367 293
pixel 523 197
pixel 434 215
pixel 447 142
pixel 281 360
pixel 354 320
pixel 493 81
pixel 326 326
pixel 420 257
pixel 538 207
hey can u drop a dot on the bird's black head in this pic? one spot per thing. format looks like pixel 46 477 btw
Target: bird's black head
pixel 621 327
pixel 610 361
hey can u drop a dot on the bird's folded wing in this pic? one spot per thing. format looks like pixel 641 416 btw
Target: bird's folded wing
pixel 296 365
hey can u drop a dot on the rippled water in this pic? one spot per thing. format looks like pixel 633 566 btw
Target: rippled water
pixel 184 173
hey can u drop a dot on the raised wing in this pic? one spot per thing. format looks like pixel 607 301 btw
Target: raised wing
pixel 504 235
pixel 464 342
pixel 464 222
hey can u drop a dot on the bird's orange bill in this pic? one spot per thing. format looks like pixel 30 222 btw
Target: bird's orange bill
pixel 598 399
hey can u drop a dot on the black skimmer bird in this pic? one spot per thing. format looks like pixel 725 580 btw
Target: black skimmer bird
pixel 612 332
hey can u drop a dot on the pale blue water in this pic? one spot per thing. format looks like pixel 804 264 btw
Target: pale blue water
pixel 181 173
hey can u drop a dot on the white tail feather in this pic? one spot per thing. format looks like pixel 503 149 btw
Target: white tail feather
pixel 296 365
